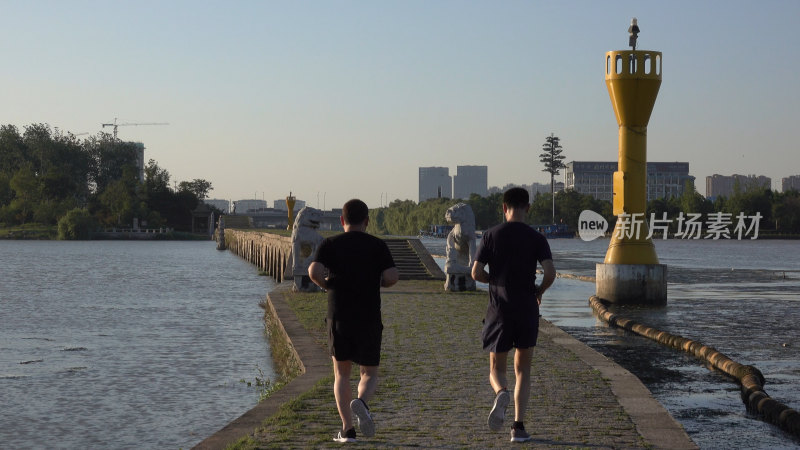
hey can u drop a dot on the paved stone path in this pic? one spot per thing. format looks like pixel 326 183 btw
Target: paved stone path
pixel 434 390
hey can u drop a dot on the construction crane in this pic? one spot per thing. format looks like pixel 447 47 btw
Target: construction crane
pixel 115 125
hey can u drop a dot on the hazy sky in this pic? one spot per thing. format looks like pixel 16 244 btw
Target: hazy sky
pixel 341 99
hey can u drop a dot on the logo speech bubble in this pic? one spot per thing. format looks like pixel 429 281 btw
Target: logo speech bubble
pixel 591 225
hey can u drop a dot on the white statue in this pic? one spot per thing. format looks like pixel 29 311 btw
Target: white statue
pixel 460 248
pixel 305 242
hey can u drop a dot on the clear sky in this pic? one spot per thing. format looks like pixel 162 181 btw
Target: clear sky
pixel 341 99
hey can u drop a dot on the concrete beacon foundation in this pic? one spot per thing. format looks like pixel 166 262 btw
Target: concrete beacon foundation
pixel 640 284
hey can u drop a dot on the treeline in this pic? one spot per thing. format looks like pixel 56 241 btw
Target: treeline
pixel 780 212
pixel 407 218
pixel 49 176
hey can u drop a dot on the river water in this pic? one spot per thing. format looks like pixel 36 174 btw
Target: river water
pixel 741 297
pixel 108 344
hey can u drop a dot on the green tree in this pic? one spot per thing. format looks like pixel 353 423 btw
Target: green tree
pixel 540 211
pixel 156 179
pixel 118 201
pixel 109 159
pixel 199 187
pixel 6 194
pixel 12 150
pixel 26 193
pixel 488 210
pixel 692 201
pixel 749 202
pixel 76 224
pixel 552 159
pixel 786 212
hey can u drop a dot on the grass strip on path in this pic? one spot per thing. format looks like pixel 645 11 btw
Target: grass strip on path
pixel 434 390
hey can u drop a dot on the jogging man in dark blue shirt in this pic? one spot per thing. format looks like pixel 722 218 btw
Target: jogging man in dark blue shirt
pixel 512 251
pixel 352 267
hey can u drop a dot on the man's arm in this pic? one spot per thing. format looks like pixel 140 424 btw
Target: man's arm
pixel 479 272
pixel 316 271
pixel 547 278
pixel 390 276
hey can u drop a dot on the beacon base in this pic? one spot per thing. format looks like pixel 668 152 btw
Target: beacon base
pixel 632 284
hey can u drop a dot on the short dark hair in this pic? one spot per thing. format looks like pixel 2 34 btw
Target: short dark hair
pixel 516 198
pixel 355 212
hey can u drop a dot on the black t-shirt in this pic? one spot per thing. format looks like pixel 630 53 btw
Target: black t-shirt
pixel 512 250
pixel 355 261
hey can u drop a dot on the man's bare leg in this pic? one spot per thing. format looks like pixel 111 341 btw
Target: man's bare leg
pixel 499 382
pixel 522 388
pixel 366 388
pixel 341 390
pixel 368 383
pixel 497 371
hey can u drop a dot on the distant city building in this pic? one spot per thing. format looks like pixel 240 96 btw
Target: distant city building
pixel 222 205
pixel 140 160
pixel 790 183
pixel 280 204
pixel 434 182
pixel 596 178
pixel 243 206
pixel 470 180
pixel 723 185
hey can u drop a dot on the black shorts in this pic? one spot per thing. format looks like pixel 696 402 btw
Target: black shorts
pixel 501 333
pixel 359 342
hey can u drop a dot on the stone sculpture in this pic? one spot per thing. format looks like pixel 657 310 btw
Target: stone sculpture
pixel 305 242
pixel 460 250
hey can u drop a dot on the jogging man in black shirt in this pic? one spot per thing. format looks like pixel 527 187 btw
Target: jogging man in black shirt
pixel 512 250
pixel 357 265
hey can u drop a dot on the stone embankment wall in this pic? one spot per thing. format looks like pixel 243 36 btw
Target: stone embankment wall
pixel 750 378
pixel 269 252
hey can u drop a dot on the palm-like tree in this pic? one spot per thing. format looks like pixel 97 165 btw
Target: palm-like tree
pixel 552 159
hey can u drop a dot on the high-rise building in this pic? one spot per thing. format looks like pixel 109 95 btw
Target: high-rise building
pixel 140 160
pixel 790 183
pixel 596 178
pixel 470 180
pixel 434 182
pixel 667 179
pixel 723 185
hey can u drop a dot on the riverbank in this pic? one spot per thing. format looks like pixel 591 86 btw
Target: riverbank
pixel 434 390
pixel 37 232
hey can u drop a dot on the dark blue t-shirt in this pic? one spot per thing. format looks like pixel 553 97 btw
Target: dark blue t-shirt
pixel 512 250
pixel 356 262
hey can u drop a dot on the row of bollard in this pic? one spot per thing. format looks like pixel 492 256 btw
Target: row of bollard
pixel 750 378
pixel 269 252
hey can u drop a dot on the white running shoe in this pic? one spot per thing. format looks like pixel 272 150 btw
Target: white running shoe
pixel 348 436
pixel 498 413
pixel 364 419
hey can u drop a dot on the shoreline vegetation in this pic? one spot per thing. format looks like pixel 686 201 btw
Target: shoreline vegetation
pixel 49 177
pixel 38 232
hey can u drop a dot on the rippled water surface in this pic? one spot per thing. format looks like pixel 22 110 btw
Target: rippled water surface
pixel 741 297
pixel 126 344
